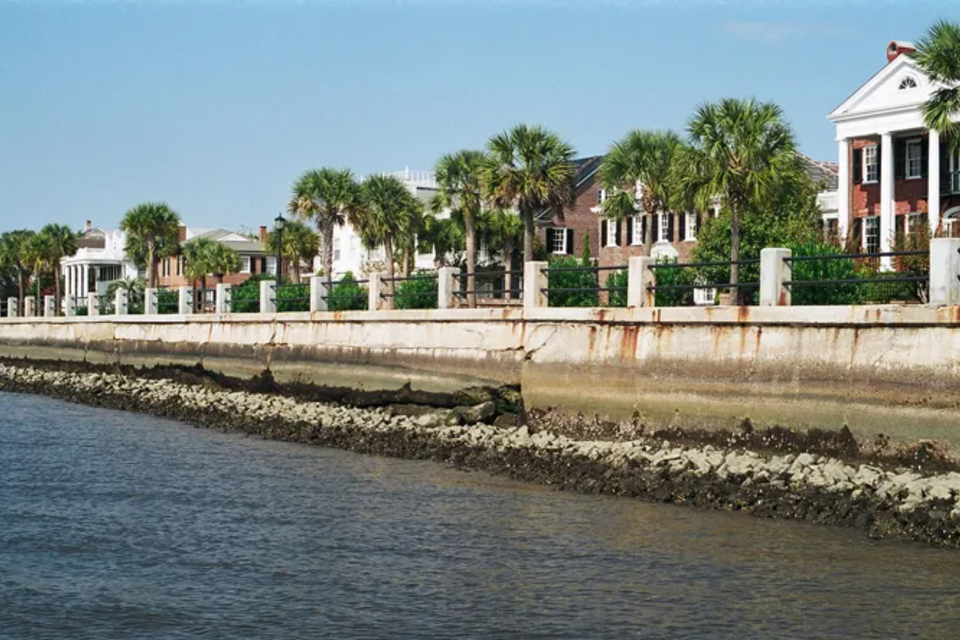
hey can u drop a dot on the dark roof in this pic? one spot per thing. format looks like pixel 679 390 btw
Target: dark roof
pixel 586 167
pixel 824 174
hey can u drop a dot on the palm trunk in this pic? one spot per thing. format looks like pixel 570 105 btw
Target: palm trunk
pixel 151 267
pixel 529 231
pixel 735 251
pixel 327 236
pixel 389 287
pixel 648 236
pixel 56 288
pixel 21 286
pixel 508 270
pixel 471 239
pixel 405 266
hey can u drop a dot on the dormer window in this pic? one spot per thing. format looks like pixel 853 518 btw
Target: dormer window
pixel 908 82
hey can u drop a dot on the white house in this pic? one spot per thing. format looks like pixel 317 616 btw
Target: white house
pixel 100 261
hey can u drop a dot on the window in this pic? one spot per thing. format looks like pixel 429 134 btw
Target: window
pixel 601 196
pixel 914 159
pixel 872 233
pixel 611 232
pixel 915 222
pixel 244 264
pixel 691 221
pixel 637 230
pixel 951 223
pixel 831 228
pixel 559 241
pixel 908 82
pixel 272 265
pixel 665 227
pixel 871 169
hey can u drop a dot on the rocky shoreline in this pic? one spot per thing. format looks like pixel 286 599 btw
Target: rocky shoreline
pixel 485 436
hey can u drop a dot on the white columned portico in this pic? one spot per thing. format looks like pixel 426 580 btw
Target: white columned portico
pixel 933 182
pixel 843 188
pixel 886 198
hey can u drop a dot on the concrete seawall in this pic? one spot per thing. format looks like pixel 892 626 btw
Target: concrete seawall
pixel 893 370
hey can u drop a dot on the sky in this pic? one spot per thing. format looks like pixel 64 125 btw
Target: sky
pixel 217 107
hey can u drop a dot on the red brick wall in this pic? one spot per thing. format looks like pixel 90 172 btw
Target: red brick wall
pixel 617 256
pixel 581 219
pixel 910 196
pixel 173 280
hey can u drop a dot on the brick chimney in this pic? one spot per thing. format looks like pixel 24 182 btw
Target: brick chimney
pixel 87 226
pixel 897 47
pixel 182 234
pixel 263 233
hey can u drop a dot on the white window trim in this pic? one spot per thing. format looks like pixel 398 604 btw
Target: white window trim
pixel 611 232
pixel 664 231
pixel 245 264
pixel 271 260
pixel 690 222
pixel 637 231
pixel 866 166
pixel 913 217
pixel 866 235
pixel 906 160
pixel 563 236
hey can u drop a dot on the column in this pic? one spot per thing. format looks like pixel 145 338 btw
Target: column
pixel 534 283
pixel 318 294
pixel 373 291
pixel 843 188
pixel 640 277
pixel 268 296
pixel 945 271
pixel 886 199
pixel 84 280
pixel 933 182
pixel 222 301
pixel 185 301
pixel 774 272
pixel 448 279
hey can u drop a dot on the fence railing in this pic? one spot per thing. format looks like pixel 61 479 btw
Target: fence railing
pixel 419 291
pixel 581 286
pixel 859 278
pixel 491 287
pixel 679 284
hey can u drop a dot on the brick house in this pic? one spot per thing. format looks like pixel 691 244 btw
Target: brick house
pixel 895 176
pixel 254 258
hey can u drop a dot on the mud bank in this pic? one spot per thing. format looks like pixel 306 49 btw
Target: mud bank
pixel 827 490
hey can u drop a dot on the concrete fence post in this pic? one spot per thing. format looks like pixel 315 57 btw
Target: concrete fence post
pixel 448 283
pixel 222 302
pixel 944 271
pixel 151 302
pixel 318 294
pixel 69 306
pixel 640 277
pixel 13 307
pixel 774 271
pixel 185 301
pixel 49 306
pixel 268 296
pixel 93 304
pixel 535 283
pixel 29 307
pixel 121 305
pixel 373 291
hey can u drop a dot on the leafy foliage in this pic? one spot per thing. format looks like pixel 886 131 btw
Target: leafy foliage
pixel 300 244
pixel 153 231
pixel 347 295
pixel 840 269
pixel 585 280
pixel 617 279
pixel 938 56
pixel 418 293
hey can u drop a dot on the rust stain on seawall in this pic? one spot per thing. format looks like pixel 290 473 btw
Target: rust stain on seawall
pixel 628 343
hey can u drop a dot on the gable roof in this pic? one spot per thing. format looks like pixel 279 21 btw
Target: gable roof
pixel 584 169
pixel 824 174
pixel 877 95
pixel 235 241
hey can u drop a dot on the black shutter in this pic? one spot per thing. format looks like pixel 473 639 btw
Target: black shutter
pixel 550 243
pixel 899 225
pixel 879 162
pixel 682 222
pixel 858 233
pixel 699 222
pixel 671 218
pixel 630 230
pixel 899 159
pixel 643 228
pixel 617 236
pixel 944 166
pixel 570 241
pixel 603 232
pixel 857 166
pixel 925 158
pixel 655 231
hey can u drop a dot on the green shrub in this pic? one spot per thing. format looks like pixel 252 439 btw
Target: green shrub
pixel 293 297
pixel 168 301
pixel 246 297
pixel 843 269
pixel 617 279
pixel 419 293
pixel 572 280
pixel 347 295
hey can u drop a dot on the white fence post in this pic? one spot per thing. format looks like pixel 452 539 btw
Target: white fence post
pixel 69 306
pixel 640 277
pixel 774 271
pixel 93 304
pixel 373 291
pixel 223 299
pixel 121 305
pixel 944 270
pixel 49 304
pixel 535 282
pixel 185 301
pixel 448 281
pixel 151 302
pixel 13 307
pixel 268 296
pixel 318 294
pixel 29 307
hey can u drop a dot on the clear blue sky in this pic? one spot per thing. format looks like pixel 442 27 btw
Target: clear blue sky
pixel 216 107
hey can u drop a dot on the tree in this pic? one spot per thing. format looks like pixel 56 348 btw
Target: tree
pixel 642 161
pixel 938 56
pixel 300 244
pixel 460 181
pixel 385 214
pixel 152 232
pixel 442 237
pixel 38 254
pixel 14 250
pixel 504 230
pixel 741 151
pixel 531 170
pixel 62 244
pixel 329 197
pixel 195 266
pixel 205 257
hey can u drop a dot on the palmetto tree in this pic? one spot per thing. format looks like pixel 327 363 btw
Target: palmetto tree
pixel 152 232
pixel 62 244
pixel 741 151
pixel 528 169
pixel 329 197
pixel 938 56
pixel 14 247
pixel 502 229
pixel 195 259
pixel 460 181
pixel 441 236
pixel 38 253
pixel 385 216
pixel 300 244
pixel 643 160
pixel 221 260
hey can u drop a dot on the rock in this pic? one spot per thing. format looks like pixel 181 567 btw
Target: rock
pixel 506 420
pixel 472 396
pixel 435 420
pixel 408 410
pixel 475 414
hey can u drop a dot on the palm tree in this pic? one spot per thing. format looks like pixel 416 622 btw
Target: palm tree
pixel 300 244
pixel 441 236
pixel 14 246
pixel 639 167
pixel 195 258
pixel 384 216
pixel 221 260
pixel 529 169
pixel 38 254
pixel 152 232
pixel 938 56
pixel 742 152
pixel 460 181
pixel 329 197
pixel 63 244
pixel 503 229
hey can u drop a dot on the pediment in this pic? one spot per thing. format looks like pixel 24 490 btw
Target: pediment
pixel 899 85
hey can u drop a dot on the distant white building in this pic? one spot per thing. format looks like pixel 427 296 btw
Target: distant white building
pixel 100 261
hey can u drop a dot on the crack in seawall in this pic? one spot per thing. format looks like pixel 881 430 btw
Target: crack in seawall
pixel 826 490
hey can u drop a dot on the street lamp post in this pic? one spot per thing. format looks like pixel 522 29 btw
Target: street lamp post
pixel 279 222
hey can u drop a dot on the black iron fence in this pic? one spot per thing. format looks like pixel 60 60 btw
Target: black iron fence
pixel 348 294
pixel 491 287
pixel 418 291
pixel 859 278
pixel 292 297
pixel 680 284
pixel 580 286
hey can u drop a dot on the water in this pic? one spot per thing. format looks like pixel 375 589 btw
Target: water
pixel 115 525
